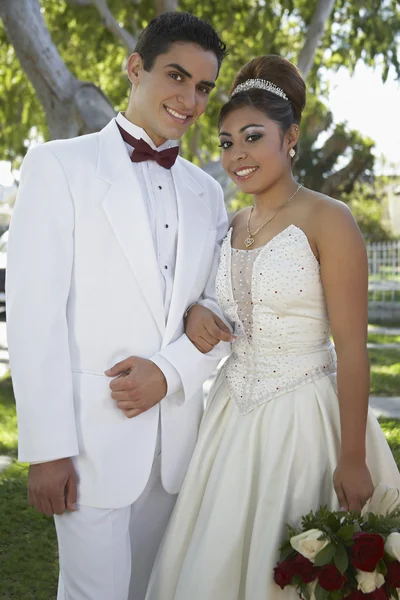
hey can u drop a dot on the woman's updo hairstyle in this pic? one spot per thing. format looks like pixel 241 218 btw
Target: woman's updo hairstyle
pixel 283 74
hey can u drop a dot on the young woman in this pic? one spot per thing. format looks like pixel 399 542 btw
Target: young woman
pixel 287 425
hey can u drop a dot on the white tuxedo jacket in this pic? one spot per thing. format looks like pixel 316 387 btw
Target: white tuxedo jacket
pixel 83 292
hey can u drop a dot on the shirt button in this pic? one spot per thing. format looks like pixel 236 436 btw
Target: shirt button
pixel 165 267
pixel 160 187
pixel 166 226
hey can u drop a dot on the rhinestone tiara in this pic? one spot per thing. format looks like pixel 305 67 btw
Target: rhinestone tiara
pixel 262 84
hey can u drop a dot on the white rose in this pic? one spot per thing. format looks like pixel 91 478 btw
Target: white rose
pixel 392 545
pixel 308 544
pixel 369 582
pixel 383 501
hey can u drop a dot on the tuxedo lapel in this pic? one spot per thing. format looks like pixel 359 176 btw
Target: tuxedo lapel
pixel 127 214
pixel 194 216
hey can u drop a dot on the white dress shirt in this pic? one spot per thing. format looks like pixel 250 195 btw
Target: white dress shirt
pixel 159 195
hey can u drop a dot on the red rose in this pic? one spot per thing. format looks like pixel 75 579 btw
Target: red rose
pixel 304 568
pixel 393 574
pixel 283 573
pixel 379 594
pixel 366 551
pixel 330 578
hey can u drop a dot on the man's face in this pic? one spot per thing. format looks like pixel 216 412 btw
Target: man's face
pixel 168 99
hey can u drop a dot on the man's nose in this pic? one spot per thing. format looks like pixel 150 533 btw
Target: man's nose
pixel 188 98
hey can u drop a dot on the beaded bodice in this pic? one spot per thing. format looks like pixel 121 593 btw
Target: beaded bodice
pixel 274 298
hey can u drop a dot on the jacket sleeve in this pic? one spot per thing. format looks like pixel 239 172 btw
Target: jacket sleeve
pixel 39 269
pixel 193 366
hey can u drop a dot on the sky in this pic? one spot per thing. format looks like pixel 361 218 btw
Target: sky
pixel 364 101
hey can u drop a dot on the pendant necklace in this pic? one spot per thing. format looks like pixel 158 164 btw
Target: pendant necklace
pixel 249 241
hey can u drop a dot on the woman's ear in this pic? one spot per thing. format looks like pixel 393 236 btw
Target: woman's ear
pixel 292 136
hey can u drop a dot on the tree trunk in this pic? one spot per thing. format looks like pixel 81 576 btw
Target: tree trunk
pixel 163 6
pixel 72 107
pixel 315 33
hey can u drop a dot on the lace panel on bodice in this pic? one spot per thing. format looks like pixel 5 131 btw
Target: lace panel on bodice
pixel 242 273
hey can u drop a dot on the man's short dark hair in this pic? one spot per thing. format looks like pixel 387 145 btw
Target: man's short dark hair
pixel 171 27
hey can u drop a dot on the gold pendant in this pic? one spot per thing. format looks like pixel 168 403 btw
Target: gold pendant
pixel 249 242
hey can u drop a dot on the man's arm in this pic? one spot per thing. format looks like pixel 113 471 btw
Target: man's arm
pixel 193 366
pixel 39 265
pixel 139 383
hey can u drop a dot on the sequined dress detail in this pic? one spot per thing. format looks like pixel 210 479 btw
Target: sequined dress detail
pixel 274 298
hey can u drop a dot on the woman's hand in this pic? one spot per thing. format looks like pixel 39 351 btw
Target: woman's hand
pixel 204 329
pixel 353 484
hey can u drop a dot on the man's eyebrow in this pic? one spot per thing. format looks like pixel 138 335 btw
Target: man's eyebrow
pixel 179 68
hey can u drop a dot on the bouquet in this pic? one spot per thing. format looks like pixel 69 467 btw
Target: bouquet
pixel 337 555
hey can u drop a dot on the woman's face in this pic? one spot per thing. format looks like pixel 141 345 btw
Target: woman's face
pixel 255 153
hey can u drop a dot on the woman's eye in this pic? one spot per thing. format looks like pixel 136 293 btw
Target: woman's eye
pixel 225 145
pixel 253 137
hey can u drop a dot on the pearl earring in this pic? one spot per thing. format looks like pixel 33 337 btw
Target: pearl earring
pixel 292 152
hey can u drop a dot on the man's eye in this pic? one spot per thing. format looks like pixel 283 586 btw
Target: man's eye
pixel 176 76
pixel 204 90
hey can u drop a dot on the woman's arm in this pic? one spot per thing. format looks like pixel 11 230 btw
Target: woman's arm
pixel 344 272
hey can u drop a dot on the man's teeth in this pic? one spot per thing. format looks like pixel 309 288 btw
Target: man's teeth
pixel 175 114
pixel 246 172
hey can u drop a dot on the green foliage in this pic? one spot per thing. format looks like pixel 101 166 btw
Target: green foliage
pixel 368 203
pixel 249 28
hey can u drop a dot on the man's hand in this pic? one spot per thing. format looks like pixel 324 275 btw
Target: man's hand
pixel 138 385
pixel 205 330
pixel 53 487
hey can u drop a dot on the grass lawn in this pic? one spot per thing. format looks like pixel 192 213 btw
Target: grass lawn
pixel 382 338
pixel 28 552
pixel 385 372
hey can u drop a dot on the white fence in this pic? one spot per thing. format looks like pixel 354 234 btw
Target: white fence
pixel 384 280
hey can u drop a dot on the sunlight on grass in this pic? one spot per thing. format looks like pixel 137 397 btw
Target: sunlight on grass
pixel 381 338
pixel 8 419
pixel 391 429
pixel 385 372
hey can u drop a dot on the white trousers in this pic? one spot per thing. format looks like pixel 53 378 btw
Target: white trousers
pixel 108 554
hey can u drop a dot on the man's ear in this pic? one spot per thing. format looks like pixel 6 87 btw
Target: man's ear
pixel 134 68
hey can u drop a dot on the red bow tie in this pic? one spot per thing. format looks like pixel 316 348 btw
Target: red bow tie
pixel 142 151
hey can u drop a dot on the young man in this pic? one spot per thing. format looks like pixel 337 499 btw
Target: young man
pixel 113 238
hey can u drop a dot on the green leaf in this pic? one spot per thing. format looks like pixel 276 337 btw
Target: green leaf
pixel 286 551
pixel 324 557
pixel 382 568
pixel 320 593
pixel 346 533
pixel 341 558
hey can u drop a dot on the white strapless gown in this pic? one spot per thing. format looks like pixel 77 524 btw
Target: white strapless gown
pixel 270 437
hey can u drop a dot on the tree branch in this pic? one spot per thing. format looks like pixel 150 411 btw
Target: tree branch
pixel 315 33
pixel 113 26
pixel 72 107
